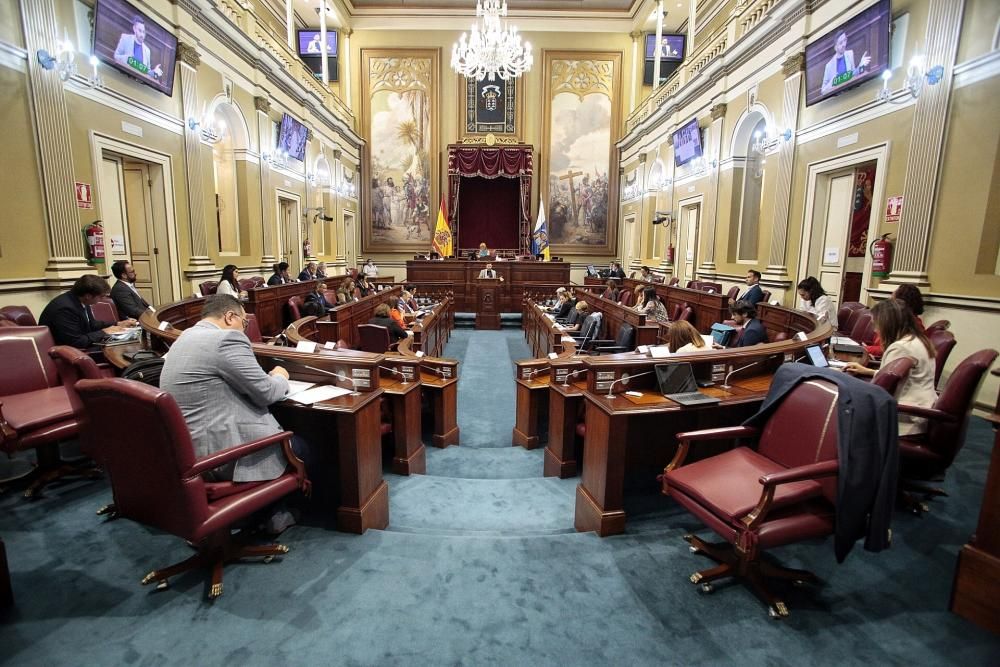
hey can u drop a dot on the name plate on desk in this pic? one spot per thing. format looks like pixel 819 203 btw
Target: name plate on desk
pixel 305 346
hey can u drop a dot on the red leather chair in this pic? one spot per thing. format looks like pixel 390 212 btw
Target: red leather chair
pixel 944 343
pixel 678 309
pixel 692 284
pixel 247 284
pixel 687 314
pixel 626 298
pixel 19 315
pixel 848 327
pixel 35 408
pixel 157 481
pixel 253 329
pixel 673 282
pixel 766 298
pixel 734 292
pixel 868 335
pixel 258 281
pixel 715 288
pixel 939 325
pixel 4 322
pixel 782 492
pixel 104 309
pixel 862 324
pixel 373 338
pixel 295 304
pixel 926 457
pixel 208 287
pixel 844 314
pixel 890 375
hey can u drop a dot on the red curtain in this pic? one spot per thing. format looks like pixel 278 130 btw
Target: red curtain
pixel 471 168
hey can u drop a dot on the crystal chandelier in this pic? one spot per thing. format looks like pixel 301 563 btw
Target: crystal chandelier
pixel 493 49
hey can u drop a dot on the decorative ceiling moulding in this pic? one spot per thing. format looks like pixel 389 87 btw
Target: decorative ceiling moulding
pixel 526 22
pixel 794 64
pixel 188 55
pixel 262 104
pixel 718 111
pixel 215 23
pixel 726 65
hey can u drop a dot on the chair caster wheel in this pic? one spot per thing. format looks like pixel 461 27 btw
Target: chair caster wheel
pixel 778 611
pixel 799 583
pixel 706 588
pixel 162 585
pixel 694 550
pixel 268 559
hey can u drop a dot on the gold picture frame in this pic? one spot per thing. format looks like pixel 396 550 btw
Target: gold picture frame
pixel 402 88
pixel 582 215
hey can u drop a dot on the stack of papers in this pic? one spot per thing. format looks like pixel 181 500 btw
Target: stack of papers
pixel 315 394
pixel 659 351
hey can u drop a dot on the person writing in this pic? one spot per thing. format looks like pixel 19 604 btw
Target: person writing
pixel 898 330
pixel 382 318
pixel 745 315
pixel 229 284
pixel 127 299
pixel 69 318
pixel 223 392
pixel 683 338
pixel 816 302
pixel 582 310
pixel 841 68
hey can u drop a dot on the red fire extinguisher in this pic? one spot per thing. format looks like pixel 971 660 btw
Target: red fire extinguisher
pixel 881 251
pixel 94 234
pixel 670 254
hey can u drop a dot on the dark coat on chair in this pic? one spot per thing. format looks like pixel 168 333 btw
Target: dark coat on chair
pixel 72 323
pixel 868 453
pixel 128 302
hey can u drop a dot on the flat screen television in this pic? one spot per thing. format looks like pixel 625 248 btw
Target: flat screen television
pixel 687 143
pixel 131 42
pixel 292 137
pixel 310 43
pixel 852 53
pixel 671 47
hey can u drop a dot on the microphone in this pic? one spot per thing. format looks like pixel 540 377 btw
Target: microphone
pixel 396 371
pixel 438 372
pixel 725 382
pixel 625 379
pixel 533 373
pixel 339 376
pixel 572 374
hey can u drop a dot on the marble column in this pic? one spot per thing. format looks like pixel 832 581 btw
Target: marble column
pixel 48 103
pixel 188 60
pixel 345 76
pixel 710 212
pixel 638 56
pixel 777 269
pixel 930 118
pixel 267 203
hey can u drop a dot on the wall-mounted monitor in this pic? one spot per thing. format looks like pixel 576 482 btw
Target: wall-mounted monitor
pixel 687 143
pixel 132 43
pixel 671 47
pixel 850 54
pixel 311 44
pixel 292 137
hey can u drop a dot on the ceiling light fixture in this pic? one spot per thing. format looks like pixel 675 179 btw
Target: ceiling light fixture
pixel 493 48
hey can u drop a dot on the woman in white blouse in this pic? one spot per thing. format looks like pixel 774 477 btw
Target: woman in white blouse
pixel 897 327
pixel 230 283
pixel 816 302
pixel 683 337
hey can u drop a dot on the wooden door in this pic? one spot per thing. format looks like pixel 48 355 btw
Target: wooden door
pixel 139 219
pixel 686 262
pixel 832 252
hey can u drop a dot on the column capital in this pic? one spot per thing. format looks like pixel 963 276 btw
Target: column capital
pixel 262 104
pixel 794 64
pixel 635 35
pixel 642 158
pixel 309 134
pixel 347 32
pixel 188 55
pixel 718 111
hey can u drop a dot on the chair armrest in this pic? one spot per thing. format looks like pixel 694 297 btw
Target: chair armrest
pixel 613 348
pixel 929 413
pixel 7 432
pixel 217 459
pixel 797 474
pixel 710 434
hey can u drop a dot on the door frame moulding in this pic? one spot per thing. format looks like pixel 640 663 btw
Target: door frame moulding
pixel 683 203
pixel 877 153
pixel 280 194
pixel 102 142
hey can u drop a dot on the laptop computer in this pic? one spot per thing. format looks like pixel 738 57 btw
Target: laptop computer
pixel 816 357
pixel 591 270
pixel 676 382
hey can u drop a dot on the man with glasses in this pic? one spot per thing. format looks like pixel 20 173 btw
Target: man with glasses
pixel 223 392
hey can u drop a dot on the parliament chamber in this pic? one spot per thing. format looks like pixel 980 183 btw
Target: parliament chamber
pixel 636 331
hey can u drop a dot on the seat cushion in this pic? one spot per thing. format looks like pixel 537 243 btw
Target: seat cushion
pixel 34 409
pixel 217 490
pixel 728 486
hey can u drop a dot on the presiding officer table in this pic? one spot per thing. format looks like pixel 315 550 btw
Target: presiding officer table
pixel 520 279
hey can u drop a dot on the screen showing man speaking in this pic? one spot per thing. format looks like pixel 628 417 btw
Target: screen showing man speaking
pixel 854 52
pixel 131 42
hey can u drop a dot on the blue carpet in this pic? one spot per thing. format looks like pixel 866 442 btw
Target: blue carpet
pixel 480 567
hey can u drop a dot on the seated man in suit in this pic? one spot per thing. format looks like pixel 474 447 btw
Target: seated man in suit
pixel 489 272
pixel 308 273
pixel 223 392
pixel 745 315
pixel 753 294
pixel 317 297
pixel 382 319
pixel 280 276
pixel 70 320
pixel 127 299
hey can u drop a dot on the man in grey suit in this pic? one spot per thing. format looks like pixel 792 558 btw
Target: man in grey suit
pixel 223 392
pixel 127 299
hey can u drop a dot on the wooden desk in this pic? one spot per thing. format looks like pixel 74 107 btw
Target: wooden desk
pixel 541 332
pixel 269 303
pixel 431 333
pixel 487 303
pixel 342 322
pixel 615 315
pixel 565 401
pixel 975 593
pixel 440 380
pixel 519 279
pixel 409 454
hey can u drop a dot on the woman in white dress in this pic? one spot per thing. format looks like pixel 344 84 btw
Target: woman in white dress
pixel 816 302
pixel 230 282
pixel 897 327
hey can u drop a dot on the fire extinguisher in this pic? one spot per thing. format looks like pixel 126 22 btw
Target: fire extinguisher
pixel 881 251
pixel 94 234
pixel 670 254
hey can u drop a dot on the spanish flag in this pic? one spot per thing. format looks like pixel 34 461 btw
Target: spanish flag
pixel 441 243
pixel 540 237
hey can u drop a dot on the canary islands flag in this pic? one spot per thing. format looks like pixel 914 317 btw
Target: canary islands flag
pixel 540 237
pixel 441 243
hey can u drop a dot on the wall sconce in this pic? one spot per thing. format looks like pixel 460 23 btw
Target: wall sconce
pixel 212 129
pixel 917 75
pixel 344 188
pixel 64 62
pixel 277 159
pixel 768 139
pixel 95 80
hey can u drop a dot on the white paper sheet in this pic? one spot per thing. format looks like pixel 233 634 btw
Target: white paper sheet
pixel 295 386
pixel 321 393
pixel 659 352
